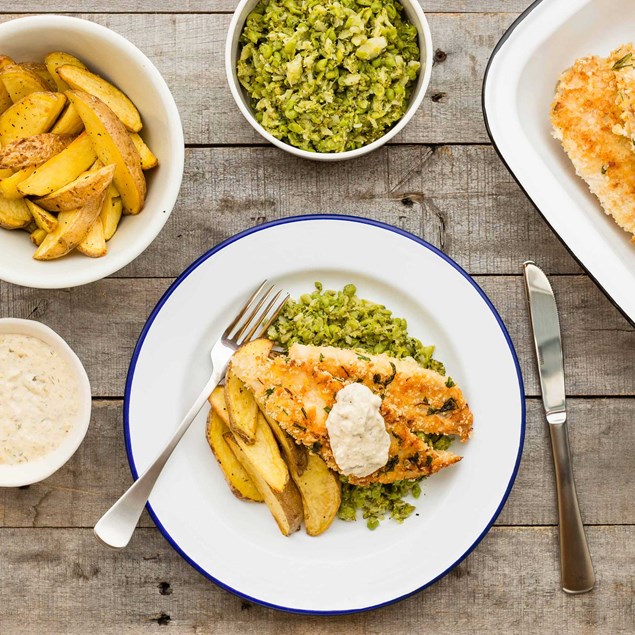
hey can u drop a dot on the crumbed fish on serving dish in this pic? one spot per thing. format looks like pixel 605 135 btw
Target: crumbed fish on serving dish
pixel 299 389
pixel 593 115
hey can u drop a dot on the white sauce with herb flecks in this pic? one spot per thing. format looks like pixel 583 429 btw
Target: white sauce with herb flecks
pixel 39 399
pixel 357 431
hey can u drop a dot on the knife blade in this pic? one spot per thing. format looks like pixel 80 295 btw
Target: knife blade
pixel 547 342
pixel 576 567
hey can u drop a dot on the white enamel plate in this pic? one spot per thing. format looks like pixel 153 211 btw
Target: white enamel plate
pixel 518 90
pixel 348 568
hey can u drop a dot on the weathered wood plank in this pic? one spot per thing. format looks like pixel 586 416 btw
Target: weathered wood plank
pixel 81 491
pixel 63 581
pixel 460 198
pixel 599 343
pixel 188 49
pixel 214 6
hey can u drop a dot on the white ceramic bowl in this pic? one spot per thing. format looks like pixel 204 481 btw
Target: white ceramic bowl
pixel 34 471
pixel 415 15
pixel 111 55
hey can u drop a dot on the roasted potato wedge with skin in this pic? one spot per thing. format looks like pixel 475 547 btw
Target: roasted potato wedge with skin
pixel 9 186
pixel 148 160
pixel 5 62
pixel 20 82
pixel 94 245
pixel 242 408
pixel 56 59
pixel 71 230
pixel 113 145
pixel 14 214
pixel 265 466
pixel 83 80
pixel 41 70
pixel 30 116
pixel 42 218
pixel 5 99
pixel 37 236
pixel 111 211
pixel 320 488
pixel 69 122
pixel 85 187
pixel 218 403
pixel 32 150
pixel 239 481
pixel 61 169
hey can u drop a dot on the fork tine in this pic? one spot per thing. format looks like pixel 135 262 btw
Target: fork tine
pixel 263 316
pixel 244 309
pixel 273 318
pixel 254 313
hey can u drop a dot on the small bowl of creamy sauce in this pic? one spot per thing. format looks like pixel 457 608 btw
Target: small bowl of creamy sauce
pixel 45 402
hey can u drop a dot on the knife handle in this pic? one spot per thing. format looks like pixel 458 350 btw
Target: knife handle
pixel 576 568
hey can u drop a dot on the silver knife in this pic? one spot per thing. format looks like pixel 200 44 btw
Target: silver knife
pixel 576 568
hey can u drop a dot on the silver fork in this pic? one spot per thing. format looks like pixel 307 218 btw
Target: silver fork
pixel 116 526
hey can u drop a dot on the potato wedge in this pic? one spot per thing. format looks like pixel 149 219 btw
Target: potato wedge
pixel 5 99
pixel 267 469
pixel 68 123
pixel 37 236
pixel 82 79
pixel 60 169
pixel 30 116
pixel 5 172
pixel 241 407
pixel 40 70
pixel 94 245
pixel 111 212
pixel 218 403
pixel 9 186
pixel 148 160
pixel 113 145
pixel 42 218
pixel 71 230
pixel 14 214
pixel 20 82
pixel 78 192
pixel 32 150
pixel 56 59
pixel 320 487
pixel 239 481
pixel 5 62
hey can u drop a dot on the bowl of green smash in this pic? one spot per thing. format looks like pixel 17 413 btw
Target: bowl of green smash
pixel 328 79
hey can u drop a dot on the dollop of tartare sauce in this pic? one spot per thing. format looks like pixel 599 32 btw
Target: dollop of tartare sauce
pixel 357 431
pixel 39 399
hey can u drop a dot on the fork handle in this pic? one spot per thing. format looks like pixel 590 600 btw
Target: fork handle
pixel 116 526
pixel 576 568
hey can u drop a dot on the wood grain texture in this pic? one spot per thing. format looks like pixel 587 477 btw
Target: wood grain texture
pixel 81 491
pixel 103 321
pixel 460 198
pixel 214 6
pixel 188 49
pixel 67 581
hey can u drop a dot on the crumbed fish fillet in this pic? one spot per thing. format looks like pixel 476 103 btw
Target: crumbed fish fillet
pixel 299 389
pixel 622 62
pixel 584 115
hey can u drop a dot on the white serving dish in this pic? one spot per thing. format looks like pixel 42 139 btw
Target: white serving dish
pixel 111 55
pixel 348 568
pixel 34 471
pixel 415 15
pixel 517 93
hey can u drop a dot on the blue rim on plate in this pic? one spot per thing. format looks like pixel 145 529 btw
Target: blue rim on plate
pixel 226 243
pixel 525 14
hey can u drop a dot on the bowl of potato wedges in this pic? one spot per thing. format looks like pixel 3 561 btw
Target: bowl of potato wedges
pixel 91 152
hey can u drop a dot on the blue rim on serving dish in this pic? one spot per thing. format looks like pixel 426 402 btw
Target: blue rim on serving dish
pixel 524 15
pixel 226 243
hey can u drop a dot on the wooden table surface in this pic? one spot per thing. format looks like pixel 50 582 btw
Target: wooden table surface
pixel 441 180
